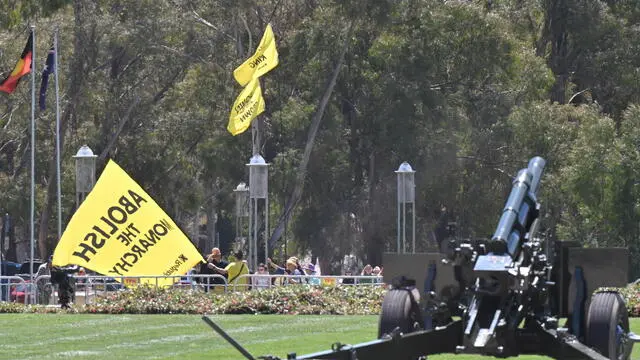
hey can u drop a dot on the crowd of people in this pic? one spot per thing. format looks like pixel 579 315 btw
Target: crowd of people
pixel 231 271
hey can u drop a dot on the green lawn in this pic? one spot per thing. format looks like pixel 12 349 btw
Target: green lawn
pixel 38 336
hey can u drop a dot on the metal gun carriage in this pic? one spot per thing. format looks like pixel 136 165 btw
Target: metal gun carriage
pixel 500 297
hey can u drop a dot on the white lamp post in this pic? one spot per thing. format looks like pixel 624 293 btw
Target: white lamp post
pixel 85 173
pixel 258 189
pixel 406 195
pixel 242 210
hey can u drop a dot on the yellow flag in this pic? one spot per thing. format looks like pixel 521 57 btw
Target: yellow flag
pixel 248 105
pixel 119 230
pixel 263 60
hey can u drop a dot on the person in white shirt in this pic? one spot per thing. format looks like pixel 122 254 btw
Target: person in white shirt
pixel 44 286
pixel 261 282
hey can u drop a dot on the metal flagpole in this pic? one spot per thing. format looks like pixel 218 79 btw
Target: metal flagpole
pixel 33 145
pixel 55 69
pixel 266 228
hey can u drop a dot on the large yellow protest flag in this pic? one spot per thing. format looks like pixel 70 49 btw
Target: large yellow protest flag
pixel 248 105
pixel 120 231
pixel 263 60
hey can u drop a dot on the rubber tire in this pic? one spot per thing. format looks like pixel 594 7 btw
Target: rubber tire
pixel 396 312
pixel 606 310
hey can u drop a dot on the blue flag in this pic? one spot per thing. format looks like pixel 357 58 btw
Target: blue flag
pixel 49 68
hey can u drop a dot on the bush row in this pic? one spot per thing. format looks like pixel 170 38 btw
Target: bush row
pixel 295 300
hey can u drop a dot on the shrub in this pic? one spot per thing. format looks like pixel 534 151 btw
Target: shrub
pixel 631 295
pixel 294 300
pixel 303 300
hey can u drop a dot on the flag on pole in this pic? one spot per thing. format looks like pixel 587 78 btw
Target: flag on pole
pixel 248 105
pixel 120 231
pixel 22 68
pixel 49 68
pixel 263 60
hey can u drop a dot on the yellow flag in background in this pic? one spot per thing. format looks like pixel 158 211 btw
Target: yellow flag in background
pixel 263 60
pixel 119 230
pixel 248 105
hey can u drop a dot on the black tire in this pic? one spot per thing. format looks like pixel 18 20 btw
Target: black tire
pixel 607 326
pixel 398 312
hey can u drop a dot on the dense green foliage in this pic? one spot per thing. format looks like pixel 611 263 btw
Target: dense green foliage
pixel 465 91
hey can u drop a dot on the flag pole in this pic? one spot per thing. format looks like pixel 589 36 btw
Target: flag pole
pixel 255 137
pixel 33 146
pixel 55 69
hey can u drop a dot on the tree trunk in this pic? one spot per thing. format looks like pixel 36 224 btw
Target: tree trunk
pixel 212 218
pixel 557 13
pixel 313 130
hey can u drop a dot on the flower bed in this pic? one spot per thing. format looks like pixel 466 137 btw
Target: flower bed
pixel 302 300
pixel 631 295
pixel 294 300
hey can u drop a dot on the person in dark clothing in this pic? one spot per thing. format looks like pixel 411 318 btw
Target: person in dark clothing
pixel 348 280
pixel 62 276
pixel 204 270
pixel 215 261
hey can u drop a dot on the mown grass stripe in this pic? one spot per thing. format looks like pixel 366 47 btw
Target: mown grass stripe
pixel 185 336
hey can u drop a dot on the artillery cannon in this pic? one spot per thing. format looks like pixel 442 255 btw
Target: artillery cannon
pixel 501 297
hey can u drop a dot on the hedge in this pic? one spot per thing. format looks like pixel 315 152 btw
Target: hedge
pixel 294 300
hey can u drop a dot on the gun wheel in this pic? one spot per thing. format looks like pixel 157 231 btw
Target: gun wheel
pixel 608 325
pixel 398 312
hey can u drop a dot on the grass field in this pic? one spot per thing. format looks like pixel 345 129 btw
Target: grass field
pixel 51 336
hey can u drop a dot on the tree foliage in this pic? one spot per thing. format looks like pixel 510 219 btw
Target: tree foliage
pixel 466 92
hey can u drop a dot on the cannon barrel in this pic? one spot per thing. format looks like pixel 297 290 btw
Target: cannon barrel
pixel 517 213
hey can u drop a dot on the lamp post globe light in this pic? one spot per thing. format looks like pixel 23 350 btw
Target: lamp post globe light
pixel 242 197
pixel 85 173
pixel 406 195
pixel 258 189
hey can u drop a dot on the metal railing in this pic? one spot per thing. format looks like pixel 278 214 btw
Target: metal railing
pixel 16 289
pixel 261 282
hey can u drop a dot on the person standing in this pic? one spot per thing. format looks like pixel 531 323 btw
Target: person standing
pixel 234 270
pixel 215 260
pixel 377 273
pixel 366 271
pixel 261 282
pixel 292 267
pixel 309 270
pixel 44 286
pixel 348 280
pixel 62 276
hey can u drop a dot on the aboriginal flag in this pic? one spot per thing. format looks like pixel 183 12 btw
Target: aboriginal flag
pixel 23 67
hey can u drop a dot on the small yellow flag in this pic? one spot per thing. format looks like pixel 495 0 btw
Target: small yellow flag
pixel 248 105
pixel 120 231
pixel 263 60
